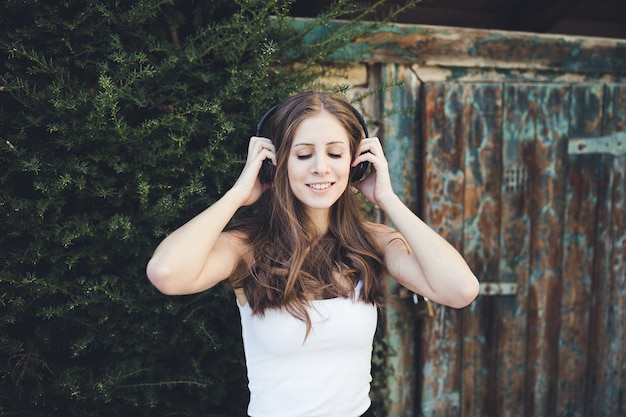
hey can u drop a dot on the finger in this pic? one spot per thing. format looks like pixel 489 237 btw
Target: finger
pixel 264 141
pixel 264 148
pixel 259 145
pixel 375 148
pixel 371 144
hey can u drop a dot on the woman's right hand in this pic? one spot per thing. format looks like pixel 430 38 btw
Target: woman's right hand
pixel 248 185
pixel 199 254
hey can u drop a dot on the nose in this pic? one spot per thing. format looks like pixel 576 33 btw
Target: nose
pixel 320 164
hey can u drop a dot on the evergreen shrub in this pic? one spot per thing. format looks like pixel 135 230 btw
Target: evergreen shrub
pixel 120 120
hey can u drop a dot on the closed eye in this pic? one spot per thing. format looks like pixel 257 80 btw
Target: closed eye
pixel 335 155
pixel 304 156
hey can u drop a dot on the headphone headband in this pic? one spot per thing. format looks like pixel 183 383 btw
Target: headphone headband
pixel 275 107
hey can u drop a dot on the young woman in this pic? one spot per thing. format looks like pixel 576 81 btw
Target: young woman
pixel 308 273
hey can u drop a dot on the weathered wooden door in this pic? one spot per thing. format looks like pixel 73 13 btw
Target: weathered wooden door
pixel 543 226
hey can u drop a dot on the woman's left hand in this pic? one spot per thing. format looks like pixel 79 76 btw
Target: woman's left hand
pixel 377 185
pixel 421 260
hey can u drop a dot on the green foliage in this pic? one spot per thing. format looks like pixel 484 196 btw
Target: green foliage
pixel 118 122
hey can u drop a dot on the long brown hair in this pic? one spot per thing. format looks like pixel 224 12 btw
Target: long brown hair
pixel 291 262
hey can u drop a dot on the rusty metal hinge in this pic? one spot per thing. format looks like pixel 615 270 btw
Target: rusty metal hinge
pixel 497 288
pixel 614 144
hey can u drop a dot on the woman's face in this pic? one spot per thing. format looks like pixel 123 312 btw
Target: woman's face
pixel 318 165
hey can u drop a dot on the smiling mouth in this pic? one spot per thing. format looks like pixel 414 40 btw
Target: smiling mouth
pixel 321 186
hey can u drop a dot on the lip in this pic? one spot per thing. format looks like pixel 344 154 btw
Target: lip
pixel 320 186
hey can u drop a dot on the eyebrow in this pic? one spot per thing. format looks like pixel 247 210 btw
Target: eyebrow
pixel 327 144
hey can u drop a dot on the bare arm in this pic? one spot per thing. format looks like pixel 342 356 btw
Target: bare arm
pixel 423 261
pixel 199 254
pixel 415 255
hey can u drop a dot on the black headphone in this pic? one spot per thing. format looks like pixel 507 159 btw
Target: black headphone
pixel 266 174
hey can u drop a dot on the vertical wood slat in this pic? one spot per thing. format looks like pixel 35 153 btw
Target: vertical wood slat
pixel 615 120
pixel 546 248
pixel 518 147
pixel 443 210
pixel 607 354
pixel 616 323
pixel 581 200
pixel 482 119
pixel 399 147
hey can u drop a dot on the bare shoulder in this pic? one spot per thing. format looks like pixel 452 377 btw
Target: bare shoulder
pixel 235 236
pixel 385 235
pixel 237 242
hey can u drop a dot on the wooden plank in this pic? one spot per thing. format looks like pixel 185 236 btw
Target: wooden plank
pixel 616 121
pixel 608 319
pixel 518 141
pixel 443 210
pixel 544 290
pixel 462 48
pixel 474 75
pixel 482 122
pixel 400 132
pixel 582 175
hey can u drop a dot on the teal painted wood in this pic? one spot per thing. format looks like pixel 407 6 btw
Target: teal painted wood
pixel 548 188
pixel 462 49
pixel 400 132
pixel 499 185
pixel 518 139
pixel 560 227
pixel 482 127
pixel 443 210
pixel 615 120
pixel 608 319
pixel 556 222
pixel 580 217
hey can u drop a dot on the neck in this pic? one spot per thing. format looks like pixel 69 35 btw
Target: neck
pixel 320 218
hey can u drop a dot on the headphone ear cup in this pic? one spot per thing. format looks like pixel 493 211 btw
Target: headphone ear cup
pixel 266 174
pixel 357 172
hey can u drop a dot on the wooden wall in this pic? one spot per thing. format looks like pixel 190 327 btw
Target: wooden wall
pixel 478 138
pixel 500 184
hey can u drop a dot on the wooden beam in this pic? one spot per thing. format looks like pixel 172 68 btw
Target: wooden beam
pixel 461 50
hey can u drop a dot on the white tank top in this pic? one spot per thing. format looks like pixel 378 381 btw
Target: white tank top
pixel 326 375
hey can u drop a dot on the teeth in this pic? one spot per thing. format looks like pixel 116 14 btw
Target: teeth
pixel 320 186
